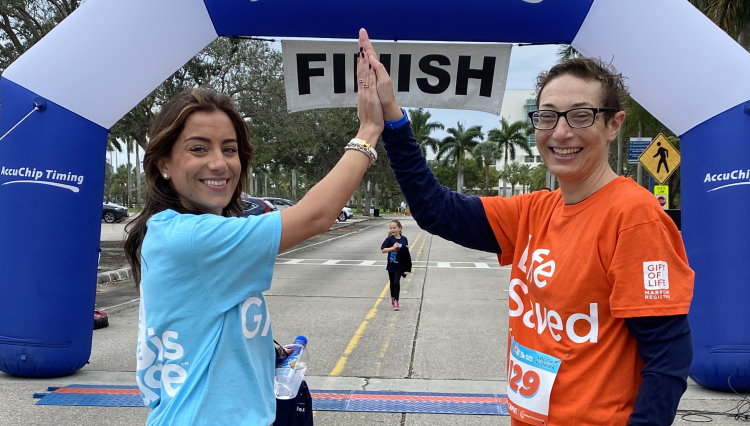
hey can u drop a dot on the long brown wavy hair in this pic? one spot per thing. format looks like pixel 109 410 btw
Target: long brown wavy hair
pixel 160 195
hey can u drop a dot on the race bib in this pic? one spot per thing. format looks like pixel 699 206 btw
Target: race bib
pixel 531 375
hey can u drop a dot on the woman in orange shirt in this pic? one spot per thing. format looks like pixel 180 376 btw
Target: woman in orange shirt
pixel 600 283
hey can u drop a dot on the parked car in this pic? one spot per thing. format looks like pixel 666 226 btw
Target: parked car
pixel 346 213
pixel 112 212
pixel 256 206
pixel 280 203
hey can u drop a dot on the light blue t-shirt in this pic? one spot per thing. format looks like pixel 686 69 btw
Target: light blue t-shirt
pixel 205 351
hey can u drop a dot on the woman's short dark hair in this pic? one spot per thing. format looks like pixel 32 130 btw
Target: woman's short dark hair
pixel 614 92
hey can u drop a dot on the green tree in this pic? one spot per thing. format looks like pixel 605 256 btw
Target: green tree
pixel 566 52
pixel 423 128
pixel 116 188
pixel 538 177
pixel 486 153
pixel 733 16
pixel 510 137
pixel 674 181
pixel 447 175
pixel 25 22
pixel 524 176
pixel 514 173
pixel 454 148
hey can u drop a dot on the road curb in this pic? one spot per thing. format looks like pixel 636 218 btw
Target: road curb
pixel 116 275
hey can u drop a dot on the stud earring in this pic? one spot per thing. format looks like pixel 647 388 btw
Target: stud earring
pixel 166 176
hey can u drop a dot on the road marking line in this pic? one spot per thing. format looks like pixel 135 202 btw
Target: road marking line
pixel 328 240
pixel 107 308
pixel 381 263
pixel 341 363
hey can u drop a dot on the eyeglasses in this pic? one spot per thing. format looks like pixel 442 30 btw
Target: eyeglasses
pixel 577 118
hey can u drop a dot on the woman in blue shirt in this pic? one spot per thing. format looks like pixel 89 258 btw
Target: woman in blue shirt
pixel 205 352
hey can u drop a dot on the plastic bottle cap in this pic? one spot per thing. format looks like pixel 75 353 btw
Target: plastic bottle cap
pixel 301 339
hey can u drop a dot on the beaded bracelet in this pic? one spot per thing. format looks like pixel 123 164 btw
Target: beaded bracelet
pixel 362 146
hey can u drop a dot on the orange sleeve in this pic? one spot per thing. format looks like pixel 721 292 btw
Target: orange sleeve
pixel 649 272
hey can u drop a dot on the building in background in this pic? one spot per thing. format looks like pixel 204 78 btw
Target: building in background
pixel 517 104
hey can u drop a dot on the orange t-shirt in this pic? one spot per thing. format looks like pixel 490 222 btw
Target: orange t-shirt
pixel 577 271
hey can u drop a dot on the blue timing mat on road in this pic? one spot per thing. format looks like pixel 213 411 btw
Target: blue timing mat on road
pixel 323 400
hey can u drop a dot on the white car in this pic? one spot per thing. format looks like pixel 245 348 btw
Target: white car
pixel 346 213
pixel 280 203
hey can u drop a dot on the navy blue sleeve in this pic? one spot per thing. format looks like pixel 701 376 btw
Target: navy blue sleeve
pixel 388 242
pixel 437 209
pixel 665 345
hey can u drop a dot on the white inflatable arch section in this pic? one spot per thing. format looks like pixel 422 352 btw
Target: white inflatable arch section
pixel 61 97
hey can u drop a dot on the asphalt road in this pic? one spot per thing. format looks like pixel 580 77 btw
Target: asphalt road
pixel 449 335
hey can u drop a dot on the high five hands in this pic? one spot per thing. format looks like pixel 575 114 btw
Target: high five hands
pixel 369 110
pixel 391 109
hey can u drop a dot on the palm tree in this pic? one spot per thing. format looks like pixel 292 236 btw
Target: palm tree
pixel 423 127
pixel 538 177
pixel 453 148
pixel 568 52
pixel 513 174
pixel 524 176
pixel 486 153
pixel 733 16
pixel 509 137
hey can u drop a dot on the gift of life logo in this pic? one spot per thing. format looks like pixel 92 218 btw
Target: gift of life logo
pixel 160 356
pixel 539 267
pixel 656 279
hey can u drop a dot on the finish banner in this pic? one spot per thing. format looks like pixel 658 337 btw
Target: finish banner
pixel 322 74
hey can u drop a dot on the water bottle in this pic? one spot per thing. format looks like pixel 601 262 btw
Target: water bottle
pixel 291 371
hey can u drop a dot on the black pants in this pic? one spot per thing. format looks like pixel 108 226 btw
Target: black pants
pixel 395 276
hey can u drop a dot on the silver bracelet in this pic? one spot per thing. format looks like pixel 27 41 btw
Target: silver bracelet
pixel 362 146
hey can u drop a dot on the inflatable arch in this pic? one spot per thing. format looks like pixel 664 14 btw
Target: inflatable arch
pixel 61 97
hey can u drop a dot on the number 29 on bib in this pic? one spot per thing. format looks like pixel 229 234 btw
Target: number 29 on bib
pixel 531 375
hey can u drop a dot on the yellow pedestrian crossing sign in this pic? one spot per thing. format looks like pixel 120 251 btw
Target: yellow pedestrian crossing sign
pixel 661 158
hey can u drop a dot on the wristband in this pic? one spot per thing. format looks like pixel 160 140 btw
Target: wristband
pixel 397 123
pixel 362 146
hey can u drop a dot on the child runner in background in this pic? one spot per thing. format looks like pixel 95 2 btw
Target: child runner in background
pixel 391 245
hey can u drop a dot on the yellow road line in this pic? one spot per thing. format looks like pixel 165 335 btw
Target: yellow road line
pixel 419 253
pixel 341 363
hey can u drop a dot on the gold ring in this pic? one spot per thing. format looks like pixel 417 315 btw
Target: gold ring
pixel 365 85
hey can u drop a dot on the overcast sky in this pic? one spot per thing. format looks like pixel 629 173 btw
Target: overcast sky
pixel 526 62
